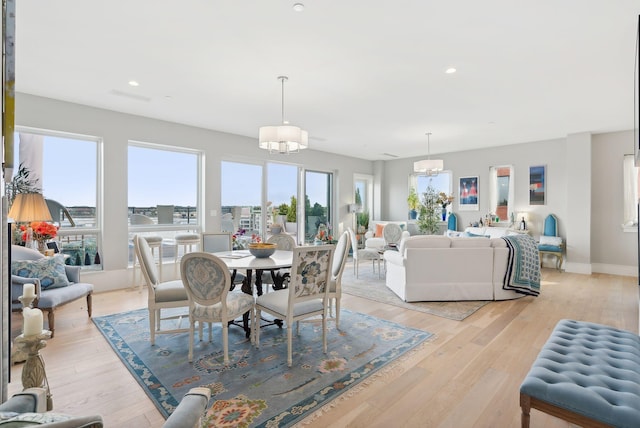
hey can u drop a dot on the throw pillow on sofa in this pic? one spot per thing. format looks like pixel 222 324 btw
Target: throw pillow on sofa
pixel 50 271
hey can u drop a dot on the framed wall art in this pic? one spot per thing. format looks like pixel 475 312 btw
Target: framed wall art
pixel 537 185
pixel 469 194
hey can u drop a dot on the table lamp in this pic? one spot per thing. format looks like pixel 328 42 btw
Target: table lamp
pixel 28 207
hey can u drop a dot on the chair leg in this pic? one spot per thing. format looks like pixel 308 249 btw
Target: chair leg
pixel 191 334
pixel 225 342
pixel 324 333
pixel 51 321
pixel 255 324
pixel 337 312
pixel 89 304
pixel 152 326
pixel 289 345
pixel 210 332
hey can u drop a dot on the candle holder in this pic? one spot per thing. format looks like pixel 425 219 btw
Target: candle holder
pixel 17 355
pixel 33 372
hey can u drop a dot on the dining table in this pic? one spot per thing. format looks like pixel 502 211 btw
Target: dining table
pixel 244 260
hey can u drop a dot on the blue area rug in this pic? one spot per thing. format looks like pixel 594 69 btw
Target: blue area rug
pixel 257 389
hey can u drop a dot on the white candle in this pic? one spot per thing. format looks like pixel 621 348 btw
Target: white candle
pixel 32 319
pixel 29 290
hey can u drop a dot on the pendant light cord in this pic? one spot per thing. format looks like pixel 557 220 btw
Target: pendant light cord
pixel 282 79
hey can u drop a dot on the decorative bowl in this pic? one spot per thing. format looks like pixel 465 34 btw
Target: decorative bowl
pixel 262 250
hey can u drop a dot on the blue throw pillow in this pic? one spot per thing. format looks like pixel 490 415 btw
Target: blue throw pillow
pixel 49 270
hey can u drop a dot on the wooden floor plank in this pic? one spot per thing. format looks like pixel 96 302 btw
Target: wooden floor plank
pixel 468 375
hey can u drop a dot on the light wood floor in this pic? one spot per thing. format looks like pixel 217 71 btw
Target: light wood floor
pixel 468 376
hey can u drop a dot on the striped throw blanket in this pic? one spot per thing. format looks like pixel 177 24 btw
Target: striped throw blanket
pixel 523 266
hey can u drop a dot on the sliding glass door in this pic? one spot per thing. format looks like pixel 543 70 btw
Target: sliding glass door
pixel 246 211
pixel 318 207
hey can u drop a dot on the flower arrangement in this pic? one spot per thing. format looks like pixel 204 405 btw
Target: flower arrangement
pixel 444 199
pixel 240 239
pixel 41 231
pixel 324 234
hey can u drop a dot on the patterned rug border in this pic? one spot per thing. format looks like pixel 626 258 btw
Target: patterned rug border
pixel 353 382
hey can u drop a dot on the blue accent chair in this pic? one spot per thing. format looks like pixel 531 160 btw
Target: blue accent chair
pixel 452 222
pixel 550 242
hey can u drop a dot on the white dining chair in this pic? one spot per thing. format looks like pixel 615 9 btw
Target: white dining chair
pixel 307 295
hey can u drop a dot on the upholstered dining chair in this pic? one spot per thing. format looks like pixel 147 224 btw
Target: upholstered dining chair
pixel 337 268
pixel 372 254
pixel 162 295
pixel 207 281
pixel 392 234
pixel 550 243
pixel 307 295
pixel 285 242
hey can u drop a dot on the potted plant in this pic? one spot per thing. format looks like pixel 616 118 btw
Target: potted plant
pixel 429 210
pixel 413 201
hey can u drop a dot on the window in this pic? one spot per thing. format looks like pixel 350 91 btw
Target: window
pixel 282 191
pixel 501 191
pixel 65 168
pixel 441 183
pixel 163 192
pixel 631 177
pixel 241 198
pixel 318 202
pixel 363 198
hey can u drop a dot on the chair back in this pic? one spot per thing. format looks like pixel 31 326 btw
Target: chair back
pixel 165 214
pixel 140 219
pixel 147 263
pixel 206 278
pixel 58 212
pixel 452 222
pixel 18 252
pixel 354 242
pixel 216 242
pixel 340 256
pixel 550 226
pixel 392 233
pixel 310 273
pixel 283 240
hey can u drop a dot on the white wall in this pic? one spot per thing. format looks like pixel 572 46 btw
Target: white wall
pixel 603 246
pixel 116 129
pixel 591 223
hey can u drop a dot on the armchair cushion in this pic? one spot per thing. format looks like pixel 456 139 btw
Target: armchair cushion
pixel 49 270
pixel 551 240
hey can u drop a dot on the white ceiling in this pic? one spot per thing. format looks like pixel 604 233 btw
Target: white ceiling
pixel 366 77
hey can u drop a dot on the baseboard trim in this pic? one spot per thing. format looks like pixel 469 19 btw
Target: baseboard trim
pixel 622 270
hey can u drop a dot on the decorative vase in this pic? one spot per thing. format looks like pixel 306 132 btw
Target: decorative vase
pixel 444 214
pixel 42 246
pixel 413 214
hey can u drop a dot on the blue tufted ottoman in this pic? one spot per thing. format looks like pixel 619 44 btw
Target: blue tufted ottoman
pixel 587 374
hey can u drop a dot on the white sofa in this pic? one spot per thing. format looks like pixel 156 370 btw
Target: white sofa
pixel 439 268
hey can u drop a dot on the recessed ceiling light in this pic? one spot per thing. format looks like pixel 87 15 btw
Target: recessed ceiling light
pixel 298 7
pixel 450 70
pixel 133 83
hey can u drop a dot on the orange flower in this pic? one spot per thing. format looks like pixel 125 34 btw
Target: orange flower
pixel 43 231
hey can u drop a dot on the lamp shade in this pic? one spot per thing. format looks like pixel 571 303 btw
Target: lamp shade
pixel 428 166
pixel 29 207
pixel 283 139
